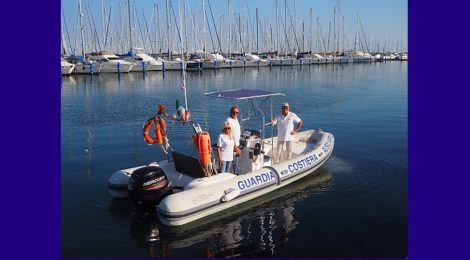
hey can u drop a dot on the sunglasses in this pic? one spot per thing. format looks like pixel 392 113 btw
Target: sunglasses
pixel 285 107
pixel 235 112
pixel 227 128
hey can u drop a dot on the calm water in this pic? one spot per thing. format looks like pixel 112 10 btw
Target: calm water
pixel 355 205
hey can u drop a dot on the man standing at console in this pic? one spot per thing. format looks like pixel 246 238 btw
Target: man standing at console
pixel 285 131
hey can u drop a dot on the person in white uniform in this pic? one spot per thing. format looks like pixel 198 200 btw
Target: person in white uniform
pixel 285 131
pixel 236 133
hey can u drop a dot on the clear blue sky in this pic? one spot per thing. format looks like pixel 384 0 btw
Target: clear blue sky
pixel 382 19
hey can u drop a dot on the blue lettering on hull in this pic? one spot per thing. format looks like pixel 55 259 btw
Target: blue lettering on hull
pixel 299 165
pixel 256 180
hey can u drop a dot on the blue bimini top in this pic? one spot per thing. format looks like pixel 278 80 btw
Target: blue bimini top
pixel 242 94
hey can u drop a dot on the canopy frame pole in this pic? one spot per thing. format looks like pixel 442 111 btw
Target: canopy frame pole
pixel 272 131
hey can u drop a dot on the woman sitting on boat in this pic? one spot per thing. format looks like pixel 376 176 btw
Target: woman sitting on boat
pixel 226 148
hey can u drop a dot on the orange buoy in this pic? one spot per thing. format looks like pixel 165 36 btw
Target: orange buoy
pixel 158 134
pixel 146 129
pixel 202 141
pixel 161 109
pixel 162 124
pixel 158 130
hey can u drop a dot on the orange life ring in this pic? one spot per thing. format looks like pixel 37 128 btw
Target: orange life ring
pixel 159 130
pixel 202 141
pixel 162 125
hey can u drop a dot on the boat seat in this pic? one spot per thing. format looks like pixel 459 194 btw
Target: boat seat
pixel 188 165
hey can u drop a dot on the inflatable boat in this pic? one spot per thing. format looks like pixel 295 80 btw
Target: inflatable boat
pixel 185 188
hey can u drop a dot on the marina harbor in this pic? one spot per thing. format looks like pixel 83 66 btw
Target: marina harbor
pixel 178 39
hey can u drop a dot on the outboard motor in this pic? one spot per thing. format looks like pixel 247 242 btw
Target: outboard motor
pixel 148 186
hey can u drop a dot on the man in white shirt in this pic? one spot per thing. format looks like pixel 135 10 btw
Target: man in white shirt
pixel 285 131
pixel 233 120
pixel 236 133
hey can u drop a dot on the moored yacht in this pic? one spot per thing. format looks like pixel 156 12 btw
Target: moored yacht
pixel 142 61
pixel 212 61
pixel 176 64
pixel 67 67
pixel 110 62
pixel 281 61
pixel 84 66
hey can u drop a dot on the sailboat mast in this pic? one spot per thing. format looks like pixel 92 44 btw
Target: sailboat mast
pixel 180 30
pixel 285 22
pixel 277 28
pixel 334 31
pixel 257 40
pixel 81 27
pixel 215 27
pixel 229 30
pixel 167 29
pixel 182 53
pixel 204 26
pixel 310 29
pixel 103 19
pixel 185 30
pixel 338 48
pixel 64 51
pixel 156 23
pixel 130 23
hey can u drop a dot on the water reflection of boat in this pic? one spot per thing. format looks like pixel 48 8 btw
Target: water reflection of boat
pixel 255 230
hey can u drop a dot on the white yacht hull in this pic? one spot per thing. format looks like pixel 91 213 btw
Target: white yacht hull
pixel 141 66
pixel 81 68
pixel 173 65
pixel 67 69
pixel 282 62
pixel 154 67
pixel 317 61
pixel 213 64
pixel 111 67
pixel 232 64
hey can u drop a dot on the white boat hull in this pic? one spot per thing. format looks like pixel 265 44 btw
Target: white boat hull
pixel 201 197
pixel 117 183
pixel 173 65
pixel 89 68
pixel 154 67
pixel 67 69
pixel 205 196
pixel 282 62
pixel 141 66
pixel 233 64
pixel 213 64
pixel 111 67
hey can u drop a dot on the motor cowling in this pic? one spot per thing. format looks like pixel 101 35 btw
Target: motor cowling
pixel 148 186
